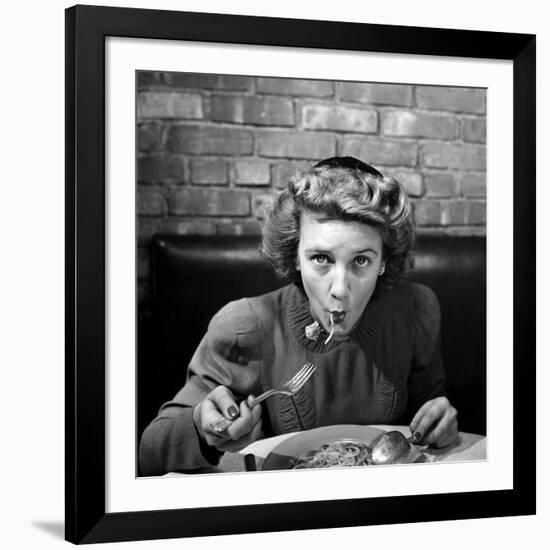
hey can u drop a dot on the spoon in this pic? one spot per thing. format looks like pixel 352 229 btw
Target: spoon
pixel 392 448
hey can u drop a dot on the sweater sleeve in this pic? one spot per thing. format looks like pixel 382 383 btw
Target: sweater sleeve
pixel 229 355
pixel 426 378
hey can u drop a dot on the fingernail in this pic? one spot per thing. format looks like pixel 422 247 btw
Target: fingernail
pixel 220 427
pixel 232 411
pixel 417 436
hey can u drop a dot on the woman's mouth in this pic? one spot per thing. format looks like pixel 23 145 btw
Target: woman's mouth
pixel 335 318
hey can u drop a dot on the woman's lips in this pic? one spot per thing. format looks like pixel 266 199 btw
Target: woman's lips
pixel 337 316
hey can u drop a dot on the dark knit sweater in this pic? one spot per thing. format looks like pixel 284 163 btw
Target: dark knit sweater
pixel 381 374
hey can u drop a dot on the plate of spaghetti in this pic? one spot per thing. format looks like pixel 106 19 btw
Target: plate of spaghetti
pixel 344 445
pixel 336 454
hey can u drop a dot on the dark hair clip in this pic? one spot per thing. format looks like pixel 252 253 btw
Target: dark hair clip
pixel 349 162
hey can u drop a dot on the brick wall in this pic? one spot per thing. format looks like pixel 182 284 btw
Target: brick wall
pixel 212 149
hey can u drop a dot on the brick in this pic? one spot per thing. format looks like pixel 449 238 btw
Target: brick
pixel 201 202
pixel 169 105
pixel 282 172
pixel 474 130
pixel 411 181
pixel 263 111
pixel 474 185
pixel 197 140
pixel 445 98
pixel 250 227
pixel 149 137
pixel 453 213
pixel 295 87
pixel 209 172
pixel 440 185
pixel 208 81
pixel 148 78
pixel 378 94
pixel 261 203
pixel 161 168
pixel 296 145
pixel 427 212
pixel 188 227
pixel 252 173
pixel 464 157
pixel 414 124
pixel 389 153
pixel 476 213
pixel 339 118
pixel 144 268
pixel 150 202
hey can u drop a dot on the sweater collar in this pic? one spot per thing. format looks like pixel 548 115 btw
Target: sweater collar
pixel 299 317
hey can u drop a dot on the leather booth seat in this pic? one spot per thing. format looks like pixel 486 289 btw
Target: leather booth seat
pixel 194 276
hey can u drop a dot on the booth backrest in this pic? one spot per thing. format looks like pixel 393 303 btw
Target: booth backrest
pixel 194 276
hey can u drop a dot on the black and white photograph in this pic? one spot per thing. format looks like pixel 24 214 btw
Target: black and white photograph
pixel 274 275
pixel 311 273
pixel 302 283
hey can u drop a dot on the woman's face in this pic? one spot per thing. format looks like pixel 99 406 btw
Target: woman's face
pixel 339 263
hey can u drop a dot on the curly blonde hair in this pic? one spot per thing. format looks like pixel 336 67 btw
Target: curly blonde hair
pixel 347 189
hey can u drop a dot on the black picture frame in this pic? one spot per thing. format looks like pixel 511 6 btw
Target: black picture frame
pixel 87 27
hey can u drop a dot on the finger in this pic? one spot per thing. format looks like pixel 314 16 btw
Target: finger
pixel 445 435
pixel 210 412
pixel 419 414
pixel 242 425
pixel 449 439
pixel 213 437
pixel 428 413
pixel 446 430
pixel 256 410
pixel 247 421
pixel 209 416
pixel 427 421
pixel 212 423
pixel 224 400
pixel 439 429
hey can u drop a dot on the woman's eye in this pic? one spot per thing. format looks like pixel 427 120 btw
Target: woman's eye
pixel 320 259
pixel 362 260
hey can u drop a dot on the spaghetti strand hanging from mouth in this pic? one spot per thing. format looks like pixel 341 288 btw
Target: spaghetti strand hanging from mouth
pixel 331 328
pixel 335 317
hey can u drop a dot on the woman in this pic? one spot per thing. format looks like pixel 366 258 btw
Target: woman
pixel 342 233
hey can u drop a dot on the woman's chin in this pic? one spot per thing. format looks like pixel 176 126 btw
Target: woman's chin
pixel 345 330
pixel 341 333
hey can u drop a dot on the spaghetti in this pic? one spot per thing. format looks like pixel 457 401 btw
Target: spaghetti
pixel 335 317
pixel 339 453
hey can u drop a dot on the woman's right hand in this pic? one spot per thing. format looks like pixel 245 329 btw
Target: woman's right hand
pixel 218 404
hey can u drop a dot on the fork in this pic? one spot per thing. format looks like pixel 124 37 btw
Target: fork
pixel 291 387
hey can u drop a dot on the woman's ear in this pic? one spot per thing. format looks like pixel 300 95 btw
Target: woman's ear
pixel 382 269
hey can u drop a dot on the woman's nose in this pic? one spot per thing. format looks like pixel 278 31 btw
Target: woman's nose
pixel 339 288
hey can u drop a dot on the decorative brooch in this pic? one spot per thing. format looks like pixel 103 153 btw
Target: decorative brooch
pixel 314 331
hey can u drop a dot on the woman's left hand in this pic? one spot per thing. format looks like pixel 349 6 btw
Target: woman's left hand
pixel 435 423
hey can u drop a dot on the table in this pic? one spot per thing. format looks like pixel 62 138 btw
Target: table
pixel 468 447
